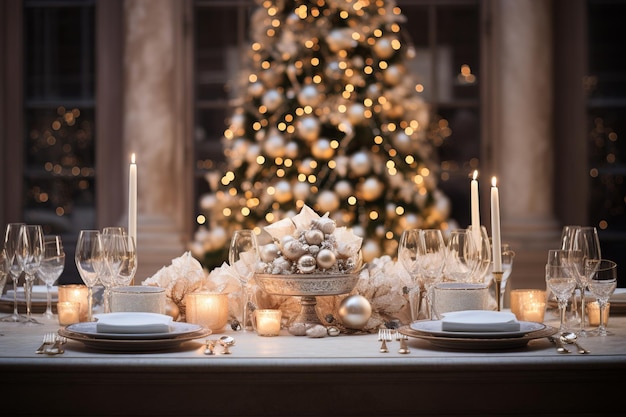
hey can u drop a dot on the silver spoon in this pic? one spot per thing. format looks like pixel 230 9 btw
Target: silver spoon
pixel 569 337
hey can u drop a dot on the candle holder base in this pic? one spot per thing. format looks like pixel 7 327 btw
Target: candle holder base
pixel 497 278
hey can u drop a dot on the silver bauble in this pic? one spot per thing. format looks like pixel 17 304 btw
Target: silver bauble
pixel 238 124
pixel 272 99
pixel 382 48
pixel 333 70
pixel 308 128
pixel 360 164
pixel 301 190
pixel 321 149
pixel 326 259
pixel 341 38
pixel 372 189
pixel 356 113
pixel 291 150
pixel 293 250
pixel 306 264
pixel 256 89
pixel 402 142
pixel 274 145
pixel 314 236
pixel 254 151
pixel 354 311
pixel 327 201
pixel 269 252
pixel 282 191
pixel 393 74
pixel 370 250
pixel 309 96
pixel 344 189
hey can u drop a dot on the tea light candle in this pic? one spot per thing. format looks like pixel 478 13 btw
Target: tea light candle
pixel 207 309
pixel 68 312
pixel 528 305
pixel 267 322
pixel 593 313
pixel 75 293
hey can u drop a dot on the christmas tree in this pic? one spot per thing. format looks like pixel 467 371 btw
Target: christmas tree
pixel 332 118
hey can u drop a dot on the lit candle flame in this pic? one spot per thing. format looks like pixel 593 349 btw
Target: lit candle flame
pixel 475 174
pixel 132 158
pixel 493 181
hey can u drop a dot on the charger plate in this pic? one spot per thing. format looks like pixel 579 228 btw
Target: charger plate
pixel 468 343
pixel 133 345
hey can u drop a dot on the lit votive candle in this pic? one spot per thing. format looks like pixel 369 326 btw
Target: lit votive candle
pixel 267 322
pixel 68 312
pixel 207 309
pixel 143 298
pixel 593 313
pixel 528 305
pixel 75 293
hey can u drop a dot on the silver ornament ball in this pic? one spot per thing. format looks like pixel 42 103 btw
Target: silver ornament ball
pixel 355 310
pixel 326 259
pixel 307 264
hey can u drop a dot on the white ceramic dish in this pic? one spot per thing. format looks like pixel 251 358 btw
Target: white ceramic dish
pixel 88 329
pixel 433 328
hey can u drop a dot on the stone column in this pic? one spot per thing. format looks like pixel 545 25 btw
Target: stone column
pixel 521 119
pixel 152 117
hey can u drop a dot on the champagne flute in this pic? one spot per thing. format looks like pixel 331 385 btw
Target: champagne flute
pixel 90 262
pixel 113 251
pixel 432 254
pixel 11 236
pixel 410 240
pixel 587 241
pixel 52 265
pixel 483 245
pixel 602 285
pixel 128 267
pixel 561 280
pixel 243 256
pixel 29 253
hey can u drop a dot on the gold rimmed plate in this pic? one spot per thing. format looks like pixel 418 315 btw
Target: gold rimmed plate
pixel 468 343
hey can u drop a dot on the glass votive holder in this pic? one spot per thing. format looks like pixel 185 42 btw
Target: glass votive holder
pixel 459 296
pixel 266 322
pixel 593 313
pixel 207 309
pixel 528 305
pixel 75 293
pixel 142 298
pixel 68 312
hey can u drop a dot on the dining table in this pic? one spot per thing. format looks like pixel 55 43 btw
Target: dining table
pixel 287 375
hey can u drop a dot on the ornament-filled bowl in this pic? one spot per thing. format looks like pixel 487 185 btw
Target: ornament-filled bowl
pixel 307 284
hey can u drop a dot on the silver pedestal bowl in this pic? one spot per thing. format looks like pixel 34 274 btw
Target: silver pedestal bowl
pixel 307 287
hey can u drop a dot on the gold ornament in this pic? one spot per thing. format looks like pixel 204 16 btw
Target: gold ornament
pixel 308 128
pixel 272 99
pixel 322 149
pixel 307 264
pixel 327 201
pixel 326 259
pixel 282 191
pixel 371 189
pixel 309 96
pixel 360 164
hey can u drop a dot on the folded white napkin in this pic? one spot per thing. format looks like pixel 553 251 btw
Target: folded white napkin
pixel 133 322
pixel 479 321
pixel 39 293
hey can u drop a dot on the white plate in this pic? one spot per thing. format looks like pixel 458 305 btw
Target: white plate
pixel 89 329
pixel 433 328
pixel 137 345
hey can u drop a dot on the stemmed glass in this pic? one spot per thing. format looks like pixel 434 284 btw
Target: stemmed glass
pixel 119 263
pixel 52 265
pixel 483 245
pixel 128 268
pixel 432 258
pixel 561 280
pixel 410 240
pixel 29 253
pixel 243 256
pixel 463 259
pixel 586 240
pixel 11 236
pixel 89 260
pixel 4 270
pixel 602 285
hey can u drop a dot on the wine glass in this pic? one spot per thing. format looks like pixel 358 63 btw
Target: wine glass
pixel 11 236
pixel 128 268
pixel 90 262
pixel 432 258
pixel 52 265
pixel 587 241
pixel 4 270
pixel 462 258
pixel 483 244
pixel 113 251
pixel 561 280
pixel 410 240
pixel 243 256
pixel 602 285
pixel 29 253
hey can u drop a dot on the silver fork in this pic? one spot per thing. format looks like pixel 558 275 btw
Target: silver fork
pixel 48 339
pixel 57 347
